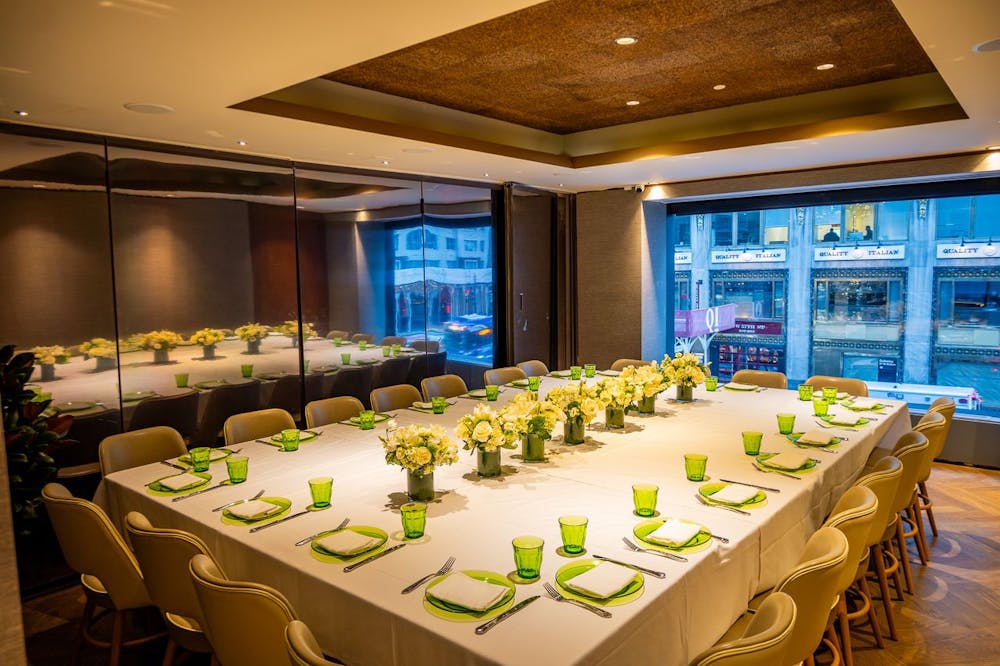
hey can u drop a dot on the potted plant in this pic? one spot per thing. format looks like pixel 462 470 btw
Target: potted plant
pixel 534 420
pixel 686 372
pixel 101 349
pixel 579 404
pixel 208 338
pixel 252 334
pixel 486 432
pixel 419 449
pixel 46 358
pixel 161 342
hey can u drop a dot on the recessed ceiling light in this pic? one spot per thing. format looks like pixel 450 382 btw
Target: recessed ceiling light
pixel 992 147
pixel 632 102
pixel 146 107
pixel 560 184
pixel 720 86
pixel 241 142
pixel 39 186
pixel 825 66
pixel 626 41
pixel 487 174
pixel 385 162
pixel 20 112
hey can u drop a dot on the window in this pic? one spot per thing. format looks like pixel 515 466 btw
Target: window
pixel 682 291
pixel 892 221
pixel 682 230
pixel 470 246
pixel 413 239
pixel 430 241
pixel 776 225
pixel 827 223
pixel 968 217
pixel 848 300
pixel 451 243
pixel 754 299
pixel 749 227
pixel 722 229
pixel 986 216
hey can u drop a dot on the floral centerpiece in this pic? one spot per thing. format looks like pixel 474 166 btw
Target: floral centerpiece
pixel 252 334
pixel 103 350
pixel 486 432
pixel 46 357
pixel 419 449
pixel 161 342
pixel 579 404
pixel 291 329
pixel 648 380
pixel 616 394
pixel 208 338
pixel 686 371
pixel 533 420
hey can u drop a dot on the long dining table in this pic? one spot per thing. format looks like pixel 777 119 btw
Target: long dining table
pixel 362 618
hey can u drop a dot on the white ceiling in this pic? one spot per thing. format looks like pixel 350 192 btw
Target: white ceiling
pixel 73 64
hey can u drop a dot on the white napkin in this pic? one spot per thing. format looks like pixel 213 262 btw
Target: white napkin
pixel 840 394
pixel 461 590
pixel 181 481
pixel 736 386
pixel 347 542
pixel 734 493
pixel 817 437
pixel 864 403
pixel 844 418
pixel 253 509
pixel 674 533
pixel 787 460
pixel 423 405
pixel 603 580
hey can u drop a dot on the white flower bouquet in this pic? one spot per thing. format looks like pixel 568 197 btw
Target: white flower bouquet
pixel 576 401
pixel 98 348
pixel 617 393
pixel 160 340
pixel 252 332
pixel 684 369
pixel 487 430
pixel 207 337
pixel 530 416
pixel 46 355
pixel 419 448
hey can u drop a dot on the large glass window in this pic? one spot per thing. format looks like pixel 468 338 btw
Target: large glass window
pixel 722 229
pixel 828 224
pixel 682 291
pixel 750 227
pixel 682 230
pixel 857 222
pixel 968 217
pixel 754 299
pixel 862 308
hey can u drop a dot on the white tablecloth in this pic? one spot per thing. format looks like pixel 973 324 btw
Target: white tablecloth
pixel 362 618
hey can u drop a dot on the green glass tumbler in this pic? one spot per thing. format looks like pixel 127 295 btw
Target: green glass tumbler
pixel 786 423
pixel 528 556
pixel 366 419
pixel 237 468
pixel 414 515
pixel 820 406
pixel 534 383
pixel 438 404
pixel 387 351
pixel 751 442
pixel 345 359
pixel 574 533
pixel 181 379
pixel 711 383
pixel 290 439
pixel 589 370
pixel 321 489
pixel 246 370
pixel 805 392
pixel 200 458
pixel 337 341
pixel 396 349
pixel 644 499
pixel 694 466
pixel 575 372
pixel 492 392
pixel 362 345
pixel 830 393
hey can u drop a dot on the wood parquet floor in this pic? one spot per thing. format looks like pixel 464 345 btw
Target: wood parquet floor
pixel 953 619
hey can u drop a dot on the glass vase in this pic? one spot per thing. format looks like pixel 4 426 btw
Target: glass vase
pixel 161 356
pixel 253 346
pixel 48 371
pixel 573 431
pixel 533 448
pixel 685 393
pixel 106 363
pixel 647 405
pixel 208 351
pixel 420 487
pixel 488 462
pixel 614 417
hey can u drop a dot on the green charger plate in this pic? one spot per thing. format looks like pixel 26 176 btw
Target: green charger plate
pixel 879 407
pixel 210 384
pixel 215 455
pixel 271 375
pixel 73 406
pixel 700 541
pixel 324 555
pixel 747 388
pixel 764 457
pixel 454 613
pixel 562 374
pixel 162 491
pixel 477 393
pixel 710 489
pixel 568 572
pixel 304 436
pixel 519 383
pixel 356 420
pixel 285 504
pixel 133 396
pixel 794 438
pixel 861 422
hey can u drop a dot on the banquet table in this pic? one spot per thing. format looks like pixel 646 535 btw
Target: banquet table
pixel 361 618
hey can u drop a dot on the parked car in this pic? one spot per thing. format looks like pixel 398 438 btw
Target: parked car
pixel 470 335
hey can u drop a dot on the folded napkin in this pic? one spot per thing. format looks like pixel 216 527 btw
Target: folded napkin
pixel 864 403
pixel 253 509
pixel 603 581
pixel 844 418
pixel 816 437
pixel 181 481
pixel 787 460
pixel 459 589
pixel 347 542
pixel 423 405
pixel 674 533
pixel 734 493
pixel 736 386
pixel 840 394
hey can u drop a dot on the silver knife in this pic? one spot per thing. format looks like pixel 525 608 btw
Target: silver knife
pixel 224 484
pixel 651 572
pixel 174 465
pixel 752 485
pixel 483 628
pixel 279 521
pixel 226 506
pixel 351 567
pixel 343 524
pixel 775 471
pixel 704 501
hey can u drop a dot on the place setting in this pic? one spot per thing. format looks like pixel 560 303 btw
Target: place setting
pixel 288 440
pixel 366 420
pixel 236 468
pixel 437 405
pixel 490 393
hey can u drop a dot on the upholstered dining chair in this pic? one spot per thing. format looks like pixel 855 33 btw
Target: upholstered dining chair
pixel 303 650
pixel 253 425
pixel 286 394
pixel 423 345
pixel 445 386
pixel 336 333
pixel 332 410
pixel 392 371
pixel 139 447
pixel 390 340
pixel 935 424
pixel 502 376
pixel 223 402
pixel 910 450
pixel 763 643
pixel 853 514
pixel 389 398
pixel 534 368
pixel 164 556
pixel 932 426
pixel 109 573
pixel 848 385
pixel 356 382
pixel 812 584
pixel 179 411
pixel 367 337
pixel 776 380
pixel 623 363
pixel 245 622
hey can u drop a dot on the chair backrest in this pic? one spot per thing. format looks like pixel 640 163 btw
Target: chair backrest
pixel 245 622
pixel 303 650
pixel 854 515
pixel 355 382
pixel 848 385
pixel 775 380
pixel 331 410
pixel 223 402
pixel 367 337
pixel 164 556
pixel 390 340
pixel 534 368
pixel 944 406
pixel 90 431
pixel 180 412
pixel 445 386
pixel 335 333
pixel 426 345
pixel 254 425
pixel 139 447
pixel 91 545
pixel 883 480
pixel 763 643
pixel 910 449
pixel 287 394
pixel 813 584
pixel 934 425
pixel 623 363
pixel 436 363
pixel 314 386
pixel 399 396
pixel 503 375
pixel 392 371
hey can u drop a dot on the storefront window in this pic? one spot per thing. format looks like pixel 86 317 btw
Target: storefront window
pixel 682 291
pixel 877 301
pixel 754 299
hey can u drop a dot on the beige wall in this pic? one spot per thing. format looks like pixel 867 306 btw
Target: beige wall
pixel 11 633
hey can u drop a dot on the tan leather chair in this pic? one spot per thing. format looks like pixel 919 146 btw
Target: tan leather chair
pixel 501 376
pixel 164 556
pixel 853 515
pixel 245 622
pixel 389 398
pixel 775 380
pixel 910 450
pixel 109 574
pixel 335 333
pixel 390 340
pixel 332 410
pixel 254 425
pixel 303 650
pixel 883 480
pixel 445 386
pixel 367 337
pixel 937 434
pixel 139 447
pixel 854 387
pixel 812 584
pixel 623 363
pixel 764 642
pixel 534 368
pixel 429 346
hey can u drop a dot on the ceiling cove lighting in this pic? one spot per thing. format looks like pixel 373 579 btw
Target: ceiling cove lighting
pixel 241 142
pixel 20 112
pixel 825 66
pixel 720 86
pixel 626 41
pixel 149 108
pixel 993 148
pixel 632 102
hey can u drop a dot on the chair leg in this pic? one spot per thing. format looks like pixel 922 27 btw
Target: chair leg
pixel 171 651
pixel 116 637
pixel 883 583
pixel 904 556
pixel 928 508
pixel 845 630
pixel 921 536
pixel 88 612
pixel 872 615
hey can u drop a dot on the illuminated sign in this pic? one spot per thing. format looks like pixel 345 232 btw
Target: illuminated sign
pixel 747 256
pixel 967 251
pixel 865 253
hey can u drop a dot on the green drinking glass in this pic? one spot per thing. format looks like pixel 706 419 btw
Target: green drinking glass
pixel 830 393
pixel 492 392
pixel 575 371
pixel 820 406
pixel 751 442
pixel 573 530
pixel 528 556
pixel 786 423
pixel 362 345
pixel 694 466
pixel 395 349
pixel 290 439
pixel 237 468
pixel 246 370
pixel 387 351
pixel 589 370
pixel 644 499
pixel 321 489
pixel 414 515
pixel 200 458
pixel 805 392
pixel 438 404
pixel 345 359
pixel 711 383
pixel 337 341
pixel 181 379
pixel 366 419
pixel 534 383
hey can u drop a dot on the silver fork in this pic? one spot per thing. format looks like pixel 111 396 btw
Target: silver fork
pixel 830 427
pixel 226 506
pixel 720 506
pixel 558 597
pixel 768 470
pixel 640 549
pixel 445 568
pixel 342 525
